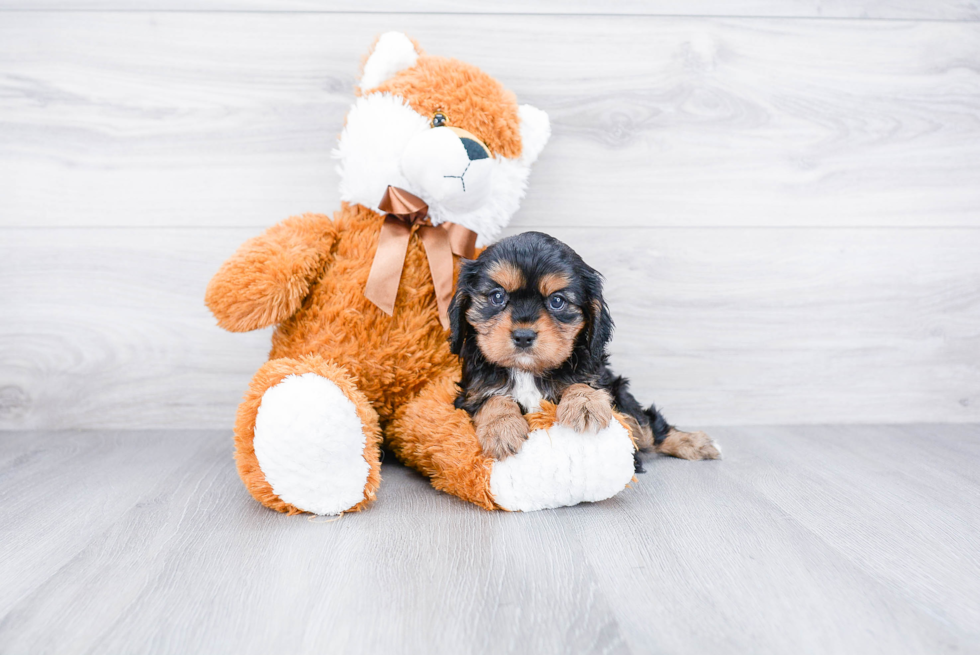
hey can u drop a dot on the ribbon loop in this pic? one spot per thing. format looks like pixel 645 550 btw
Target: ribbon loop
pixel 403 212
pixel 407 207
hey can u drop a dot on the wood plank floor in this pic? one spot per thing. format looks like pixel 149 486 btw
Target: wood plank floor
pixel 857 539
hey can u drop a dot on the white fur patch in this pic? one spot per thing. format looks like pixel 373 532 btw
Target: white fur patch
pixel 535 132
pixel 310 445
pixel 392 53
pixel 372 155
pixel 378 128
pixel 507 188
pixel 524 391
pixel 435 162
pixel 559 467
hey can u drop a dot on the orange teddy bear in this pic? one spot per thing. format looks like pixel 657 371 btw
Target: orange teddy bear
pixel 433 160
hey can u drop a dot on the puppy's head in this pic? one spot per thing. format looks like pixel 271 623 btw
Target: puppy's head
pixel 529 302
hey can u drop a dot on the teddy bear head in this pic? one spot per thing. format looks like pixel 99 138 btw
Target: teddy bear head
pixel 442 130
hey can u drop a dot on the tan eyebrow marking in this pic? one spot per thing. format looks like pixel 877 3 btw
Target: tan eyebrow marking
pixel 506 275
pixel 552 282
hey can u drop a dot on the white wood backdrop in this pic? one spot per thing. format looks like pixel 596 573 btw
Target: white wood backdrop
pixel 784 196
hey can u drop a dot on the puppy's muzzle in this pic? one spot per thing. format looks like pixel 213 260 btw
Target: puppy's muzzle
pixel 523 338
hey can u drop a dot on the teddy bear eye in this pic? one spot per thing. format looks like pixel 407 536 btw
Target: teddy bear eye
pixel 439 119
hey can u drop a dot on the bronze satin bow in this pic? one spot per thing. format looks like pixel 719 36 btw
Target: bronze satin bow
pixel 403 211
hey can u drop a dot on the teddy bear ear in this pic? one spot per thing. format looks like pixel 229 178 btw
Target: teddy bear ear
pixel 392 52
pixel 535 132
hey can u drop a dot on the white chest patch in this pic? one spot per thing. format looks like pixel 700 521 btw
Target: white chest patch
pixel 524 391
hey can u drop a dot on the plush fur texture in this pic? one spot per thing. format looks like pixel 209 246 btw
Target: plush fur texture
pixel 270 275
pixel 559 466
pixel 439 441
pixel 307 275
pixel 391 53
pixel 268 376
pixel 340 368
pixel 350 339
pixel 389 139
pixel 310 442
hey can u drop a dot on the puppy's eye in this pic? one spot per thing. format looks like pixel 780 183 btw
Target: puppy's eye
pixel 557 303
pixel 439 119
pixel 498 297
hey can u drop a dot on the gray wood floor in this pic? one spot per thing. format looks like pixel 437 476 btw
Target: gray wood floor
pixel 803 540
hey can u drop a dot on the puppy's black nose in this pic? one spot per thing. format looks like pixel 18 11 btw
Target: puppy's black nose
pixel 523 338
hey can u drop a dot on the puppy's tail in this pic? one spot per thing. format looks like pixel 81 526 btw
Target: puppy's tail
pixel 658 424
pixel 651 423
pixel 651 430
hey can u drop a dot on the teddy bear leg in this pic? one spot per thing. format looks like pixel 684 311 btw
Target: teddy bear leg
pixel 307 440
pixel 556 466
pixel 430 435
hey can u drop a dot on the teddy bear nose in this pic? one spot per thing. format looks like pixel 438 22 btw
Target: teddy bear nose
pixel 523 338
pixel 474 149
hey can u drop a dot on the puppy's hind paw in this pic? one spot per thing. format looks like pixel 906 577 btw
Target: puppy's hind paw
pixel 689 445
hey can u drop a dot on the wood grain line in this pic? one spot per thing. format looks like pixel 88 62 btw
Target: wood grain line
pixel 170 119
pixel 107 328
pixel 960 10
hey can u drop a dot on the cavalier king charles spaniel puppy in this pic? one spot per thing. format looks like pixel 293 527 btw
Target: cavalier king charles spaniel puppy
pixel 529 323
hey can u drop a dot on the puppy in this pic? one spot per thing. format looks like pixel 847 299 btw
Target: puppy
pixel 529 323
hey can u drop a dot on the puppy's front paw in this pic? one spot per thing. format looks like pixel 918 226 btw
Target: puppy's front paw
pixel 504 437
pixel 584 409
pixel 500 427
pixel 689 445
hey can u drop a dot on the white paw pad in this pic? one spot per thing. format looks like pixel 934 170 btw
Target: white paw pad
pixel 310 444
pixel 559 467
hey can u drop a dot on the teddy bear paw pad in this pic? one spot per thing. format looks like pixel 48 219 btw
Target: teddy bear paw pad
pixel 309 442
pixel 559 467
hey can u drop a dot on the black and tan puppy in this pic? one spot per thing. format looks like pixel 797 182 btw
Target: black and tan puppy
pixel 529 323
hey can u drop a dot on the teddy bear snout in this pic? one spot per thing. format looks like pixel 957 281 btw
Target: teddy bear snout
pixel 450 167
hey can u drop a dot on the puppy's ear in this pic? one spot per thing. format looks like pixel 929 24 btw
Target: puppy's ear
pixel 600 326
pixel 458 327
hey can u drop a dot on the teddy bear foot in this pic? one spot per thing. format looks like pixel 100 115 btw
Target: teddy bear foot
pixel 309 443
pixel 559 466
pixel 314 439
pixel 555 467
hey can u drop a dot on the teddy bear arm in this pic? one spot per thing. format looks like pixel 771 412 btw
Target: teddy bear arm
pixel 266 280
